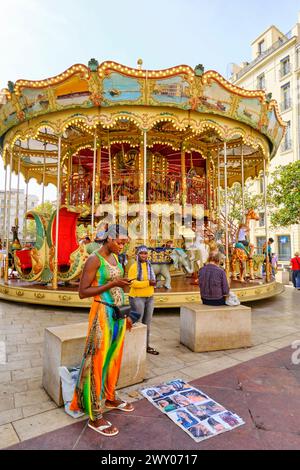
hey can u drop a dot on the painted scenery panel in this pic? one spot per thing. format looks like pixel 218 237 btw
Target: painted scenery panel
pixel 118 87
pixel 278 135
pixel 249 111
pixel 8 115
pixel 66 98
pixel 272 125
pixel 34 101
pixel 171 90
pixel 215 98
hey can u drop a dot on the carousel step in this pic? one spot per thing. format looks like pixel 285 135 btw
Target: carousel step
pixel 207 328
pixel 64 346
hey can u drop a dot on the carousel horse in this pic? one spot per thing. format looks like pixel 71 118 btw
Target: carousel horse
pixel 71 255
pixel 241 252
pixel 31 261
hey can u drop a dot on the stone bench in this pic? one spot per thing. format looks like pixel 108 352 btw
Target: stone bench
pixel 206 328
pixel 64 346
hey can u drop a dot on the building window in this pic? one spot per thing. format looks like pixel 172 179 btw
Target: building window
pixel 287 144
pixel 286 97
pixel 259 244
pixel 261 222
pixel 284 247
pixel 261 47
pixel 261 82
pixel 285 66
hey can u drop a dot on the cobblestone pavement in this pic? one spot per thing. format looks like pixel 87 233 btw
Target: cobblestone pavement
pixel 26 411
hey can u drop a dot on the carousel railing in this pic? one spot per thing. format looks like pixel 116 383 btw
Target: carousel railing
pixel 160 187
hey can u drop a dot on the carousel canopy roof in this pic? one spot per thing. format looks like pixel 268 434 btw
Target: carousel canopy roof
pixel 178 107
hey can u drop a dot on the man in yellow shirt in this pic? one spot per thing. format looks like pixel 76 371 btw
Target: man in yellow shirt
pixel 142 290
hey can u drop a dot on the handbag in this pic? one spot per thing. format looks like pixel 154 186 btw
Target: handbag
pixel 121 312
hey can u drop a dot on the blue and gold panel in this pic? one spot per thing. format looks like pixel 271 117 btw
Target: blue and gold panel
pixel 121 88
pixel 173 90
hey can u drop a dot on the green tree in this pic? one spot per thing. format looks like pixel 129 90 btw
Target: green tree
pixel 46 209
pixel 235 204
pixel 284 195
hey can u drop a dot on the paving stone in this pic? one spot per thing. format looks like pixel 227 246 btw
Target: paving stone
pixel 9 388
pixel 5 377
pixel 30 397
pixel 38 408
pixel 35 383
pixel 29 373
pixel 8 416
pixel 14 365
pixel 23 355
pixel 208 367
pixel 8 436
pixel 6 402
pixel 42 423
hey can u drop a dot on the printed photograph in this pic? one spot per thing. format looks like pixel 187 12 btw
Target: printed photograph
pixel 230 419
pixel 179 385
pixel 180 400
pixel 194 396
pixel 199 430
pixel 166 404
pixel 197 412
pixel 215 425
pixel 184 419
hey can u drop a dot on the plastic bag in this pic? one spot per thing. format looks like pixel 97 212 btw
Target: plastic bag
pixel 232 299
pixel 68 382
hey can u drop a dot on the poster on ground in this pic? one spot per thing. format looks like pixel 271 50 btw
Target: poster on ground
pixel 196 413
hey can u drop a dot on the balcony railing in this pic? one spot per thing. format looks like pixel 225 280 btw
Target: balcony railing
pixel 160 188
pixel 261 86
pixel 285 70
pixel 263 55
pixel 287 145
pixel 286 104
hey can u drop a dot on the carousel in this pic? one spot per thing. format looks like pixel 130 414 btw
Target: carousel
pixel 153 141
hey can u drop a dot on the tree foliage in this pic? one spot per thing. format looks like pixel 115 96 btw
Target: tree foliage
pixel 284 195
pixel 235 203
pixel 46 209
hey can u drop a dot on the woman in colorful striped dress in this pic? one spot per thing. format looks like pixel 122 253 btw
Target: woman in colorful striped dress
pixel 100 368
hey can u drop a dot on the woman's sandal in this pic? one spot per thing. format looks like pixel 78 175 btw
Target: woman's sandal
pixel 152 351
pixel 101 429
pixel 123 406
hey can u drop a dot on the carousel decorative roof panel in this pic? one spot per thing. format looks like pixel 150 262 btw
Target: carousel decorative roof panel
pixel 112 84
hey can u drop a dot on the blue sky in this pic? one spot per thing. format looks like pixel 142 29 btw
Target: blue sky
pixel 41 38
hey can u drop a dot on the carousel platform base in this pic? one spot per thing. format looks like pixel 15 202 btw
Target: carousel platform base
pixel 182 292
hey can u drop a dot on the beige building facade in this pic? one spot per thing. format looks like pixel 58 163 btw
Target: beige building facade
pixel 31 203
pixel 275 68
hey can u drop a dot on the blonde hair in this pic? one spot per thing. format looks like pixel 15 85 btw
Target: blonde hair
pixel 297 253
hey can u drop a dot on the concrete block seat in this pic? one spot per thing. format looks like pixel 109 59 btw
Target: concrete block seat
pixel 64 346
pixel 207 328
